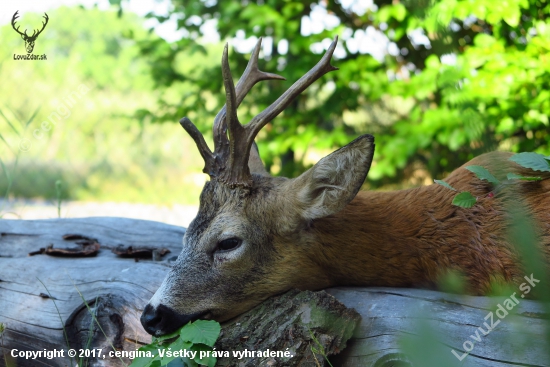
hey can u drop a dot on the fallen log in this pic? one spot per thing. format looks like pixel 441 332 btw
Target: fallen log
pixel 47 302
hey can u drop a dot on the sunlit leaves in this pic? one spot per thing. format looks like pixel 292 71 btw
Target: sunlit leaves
pixel 477 80
pixel 396 11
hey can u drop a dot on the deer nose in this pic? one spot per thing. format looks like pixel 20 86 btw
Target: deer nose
pixel 161 320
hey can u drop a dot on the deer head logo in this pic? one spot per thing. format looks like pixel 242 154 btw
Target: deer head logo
pixel 29 40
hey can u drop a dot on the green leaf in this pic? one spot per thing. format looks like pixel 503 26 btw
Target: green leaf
pixel 178 362
pixel 177 345
pixel 188 362
pixel 483 174
pixel 146 361
pixel 399 12
pixel 162 338
pixel 514 176
pixel 208 360
pixel 534 161
pixel 444 184
pixel 464 200
pixel 512 16
pixel 201 331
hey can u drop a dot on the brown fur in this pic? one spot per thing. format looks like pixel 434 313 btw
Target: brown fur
pixel 410 238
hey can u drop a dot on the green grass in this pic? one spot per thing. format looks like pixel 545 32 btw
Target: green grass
pixel 153 164
pixel 103 182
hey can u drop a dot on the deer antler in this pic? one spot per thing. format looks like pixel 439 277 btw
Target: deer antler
pixel 215 162
pixel 229 162
pixel 34 33
pixel 15 16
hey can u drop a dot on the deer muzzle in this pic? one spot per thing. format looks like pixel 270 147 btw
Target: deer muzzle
pixel 161 320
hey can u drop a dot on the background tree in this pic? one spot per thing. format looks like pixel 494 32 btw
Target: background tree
pixel 454 78
pixel 87 141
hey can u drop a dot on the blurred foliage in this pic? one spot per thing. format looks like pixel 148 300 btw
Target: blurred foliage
pixel 455 78
pixel 436 82
pixel 70 118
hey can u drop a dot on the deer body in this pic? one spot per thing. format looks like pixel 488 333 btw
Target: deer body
pixel 409 238
pixel 256 236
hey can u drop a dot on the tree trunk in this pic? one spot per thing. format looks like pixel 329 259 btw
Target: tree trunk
pixel 46 301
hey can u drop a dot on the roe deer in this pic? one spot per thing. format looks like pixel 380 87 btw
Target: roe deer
pixel 256 236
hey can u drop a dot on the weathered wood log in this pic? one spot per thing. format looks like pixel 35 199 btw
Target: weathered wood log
pixel 309 325
pixel 41 296
pixel 114 288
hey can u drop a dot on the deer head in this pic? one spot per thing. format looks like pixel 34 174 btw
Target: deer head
pixel 251 238
pixel 29 40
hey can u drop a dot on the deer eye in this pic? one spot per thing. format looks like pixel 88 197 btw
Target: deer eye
pixel 229 244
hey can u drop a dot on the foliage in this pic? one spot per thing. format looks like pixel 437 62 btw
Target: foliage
pixel 483 174
pixel 443 183
pixel 198 336
pixel 534 161
pixel 427 113
pixel 464 200
pixel 456 78
pixel 94 146
pixel 318 348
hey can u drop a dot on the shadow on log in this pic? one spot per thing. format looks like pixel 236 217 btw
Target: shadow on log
pixel 42 306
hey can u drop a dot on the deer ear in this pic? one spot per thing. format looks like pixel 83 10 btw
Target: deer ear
pixel 333 182
pixel 255 162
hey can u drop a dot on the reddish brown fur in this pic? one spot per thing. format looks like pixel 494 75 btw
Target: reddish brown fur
pixel 410 237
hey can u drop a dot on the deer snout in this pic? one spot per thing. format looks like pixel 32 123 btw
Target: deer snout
pixel 162 320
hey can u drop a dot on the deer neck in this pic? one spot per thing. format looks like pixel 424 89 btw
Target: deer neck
pixel 378 240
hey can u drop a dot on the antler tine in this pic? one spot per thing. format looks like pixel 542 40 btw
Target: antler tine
pixel 238 172
pixel 251 75
pixel 205 152
pixel 43 23
pixel 229 161
pixel 15 16
pixel 242 137
pixel 232 121
pixel 37 32
pixel 322 67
